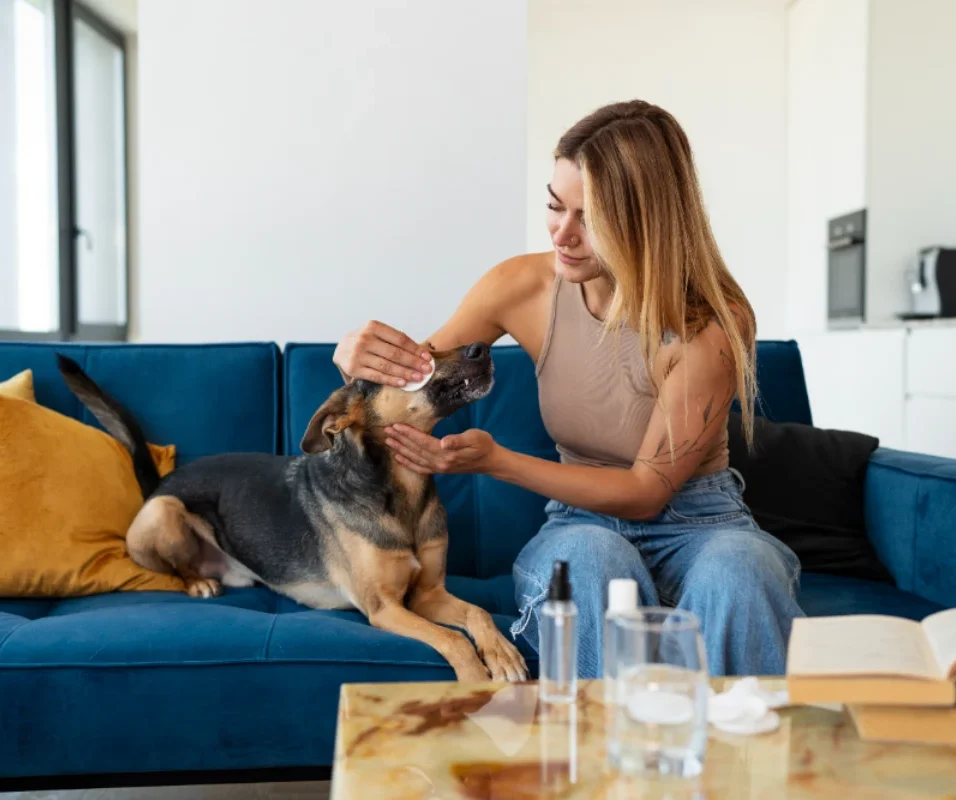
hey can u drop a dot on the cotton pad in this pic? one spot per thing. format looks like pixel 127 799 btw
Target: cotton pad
pixel 729 708
pixel 751 727
pixel 751 685
pixel 414 387
pixel 745 709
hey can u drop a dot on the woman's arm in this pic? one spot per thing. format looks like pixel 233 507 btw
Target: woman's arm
pixel 697 389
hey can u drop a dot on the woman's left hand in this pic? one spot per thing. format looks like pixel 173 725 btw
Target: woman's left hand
pixel 471 451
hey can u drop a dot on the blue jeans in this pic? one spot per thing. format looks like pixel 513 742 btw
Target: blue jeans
pixel 704 553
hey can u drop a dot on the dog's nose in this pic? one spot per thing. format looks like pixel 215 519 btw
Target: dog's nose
pixel 476 351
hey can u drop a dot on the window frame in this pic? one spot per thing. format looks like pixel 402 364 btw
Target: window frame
pixel 65 13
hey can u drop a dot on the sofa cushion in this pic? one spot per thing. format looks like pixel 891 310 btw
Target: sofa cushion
pixel 205 399
pixel 160 681
pixel 490 521
pixel 19 385
pixel 831 595
pixel 781 385
pixel 911 520
pixel 804 486
pixel 69 494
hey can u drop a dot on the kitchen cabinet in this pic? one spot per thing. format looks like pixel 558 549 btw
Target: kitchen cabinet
pixel 895 383
pixel 855 381
pixel 931 425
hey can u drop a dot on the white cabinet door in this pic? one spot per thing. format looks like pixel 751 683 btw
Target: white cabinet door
pixel 931 425
pixel 931 362
pixel 855 381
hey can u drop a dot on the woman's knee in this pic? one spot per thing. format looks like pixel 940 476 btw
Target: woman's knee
pixel 595 555
pixel 744 566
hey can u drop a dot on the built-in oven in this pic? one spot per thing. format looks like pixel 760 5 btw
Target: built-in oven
pixel 846 269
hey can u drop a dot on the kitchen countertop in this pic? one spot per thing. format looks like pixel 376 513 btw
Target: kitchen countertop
pixel 895 325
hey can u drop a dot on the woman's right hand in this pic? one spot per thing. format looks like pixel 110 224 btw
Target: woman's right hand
pixel 381 354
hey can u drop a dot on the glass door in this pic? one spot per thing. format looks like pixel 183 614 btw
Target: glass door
pixel 29 219
pixel 99 68
pixel 63 174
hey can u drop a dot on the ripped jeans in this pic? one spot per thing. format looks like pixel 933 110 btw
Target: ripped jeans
pixel 704 553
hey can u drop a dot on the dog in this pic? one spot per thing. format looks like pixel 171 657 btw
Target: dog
pixel 341 526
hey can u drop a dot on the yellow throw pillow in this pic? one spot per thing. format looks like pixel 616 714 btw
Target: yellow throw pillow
pixel 67 497
pixel 20 385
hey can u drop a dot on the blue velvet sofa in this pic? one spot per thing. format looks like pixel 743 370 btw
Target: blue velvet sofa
pixel 133 683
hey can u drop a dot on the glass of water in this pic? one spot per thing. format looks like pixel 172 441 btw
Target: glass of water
pixel 659 725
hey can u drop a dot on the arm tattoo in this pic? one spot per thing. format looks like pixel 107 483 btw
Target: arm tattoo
pixel 689 447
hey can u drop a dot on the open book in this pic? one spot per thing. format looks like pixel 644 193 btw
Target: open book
pixel 873 659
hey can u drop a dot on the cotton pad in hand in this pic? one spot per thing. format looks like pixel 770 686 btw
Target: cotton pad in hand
pixel 414 387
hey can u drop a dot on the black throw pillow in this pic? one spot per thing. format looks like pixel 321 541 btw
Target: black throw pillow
pixel 804 485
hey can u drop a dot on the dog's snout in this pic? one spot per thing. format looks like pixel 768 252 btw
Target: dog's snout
pixel 476 351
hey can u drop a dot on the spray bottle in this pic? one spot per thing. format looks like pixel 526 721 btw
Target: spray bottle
pixel 558 640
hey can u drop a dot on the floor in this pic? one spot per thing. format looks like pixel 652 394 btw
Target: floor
pixel 312 790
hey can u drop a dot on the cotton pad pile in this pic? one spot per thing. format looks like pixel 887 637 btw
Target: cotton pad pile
pixel 746 708
pixel 414 387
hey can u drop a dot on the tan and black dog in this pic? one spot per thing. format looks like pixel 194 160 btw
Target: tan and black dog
pixel 342 526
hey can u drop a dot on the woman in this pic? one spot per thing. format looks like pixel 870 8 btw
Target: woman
pixel 641 339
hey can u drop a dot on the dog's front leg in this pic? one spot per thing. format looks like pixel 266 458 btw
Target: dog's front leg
pixel 430 599
pixel 454 646
pixel 379 580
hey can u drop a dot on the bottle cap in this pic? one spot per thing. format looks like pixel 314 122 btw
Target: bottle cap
pixel 621 595
pixel 560 583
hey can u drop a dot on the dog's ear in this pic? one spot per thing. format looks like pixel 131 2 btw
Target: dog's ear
pixel 342 410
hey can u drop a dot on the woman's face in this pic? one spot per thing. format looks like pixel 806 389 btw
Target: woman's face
pixel 574 260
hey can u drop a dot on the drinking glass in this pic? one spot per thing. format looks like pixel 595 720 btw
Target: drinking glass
pixel 659 714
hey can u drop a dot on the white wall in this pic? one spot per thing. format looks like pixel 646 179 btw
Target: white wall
pixel 9 263
pixel 720 67
pixel 311 164
pixel 826 143
pixel 911 165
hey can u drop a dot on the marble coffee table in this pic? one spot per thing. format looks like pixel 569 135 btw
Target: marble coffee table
pixel 447 741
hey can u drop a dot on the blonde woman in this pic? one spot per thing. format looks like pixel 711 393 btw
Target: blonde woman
pixel 641 339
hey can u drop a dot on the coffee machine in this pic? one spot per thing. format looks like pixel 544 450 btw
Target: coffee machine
pixel 931 281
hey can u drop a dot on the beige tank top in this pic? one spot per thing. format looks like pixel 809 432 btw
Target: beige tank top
pixel 595 394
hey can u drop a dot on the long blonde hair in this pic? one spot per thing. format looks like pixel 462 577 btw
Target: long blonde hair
pixel 647 224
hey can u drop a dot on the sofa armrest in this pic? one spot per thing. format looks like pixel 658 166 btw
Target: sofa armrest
pixel 910 506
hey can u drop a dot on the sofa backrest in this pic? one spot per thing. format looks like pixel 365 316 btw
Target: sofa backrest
pixel 489 522
pixel 205 399
pixel 217 398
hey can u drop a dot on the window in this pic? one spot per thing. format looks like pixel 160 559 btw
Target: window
pixel 63 204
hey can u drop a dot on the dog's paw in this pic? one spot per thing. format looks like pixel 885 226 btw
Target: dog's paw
pixel 471 672
pixel 504 661
pixel 203 587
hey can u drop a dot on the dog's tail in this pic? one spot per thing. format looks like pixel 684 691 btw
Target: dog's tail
pixel 117 420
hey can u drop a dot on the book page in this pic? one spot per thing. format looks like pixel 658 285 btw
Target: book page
pixel 940 630
pixel 859 645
